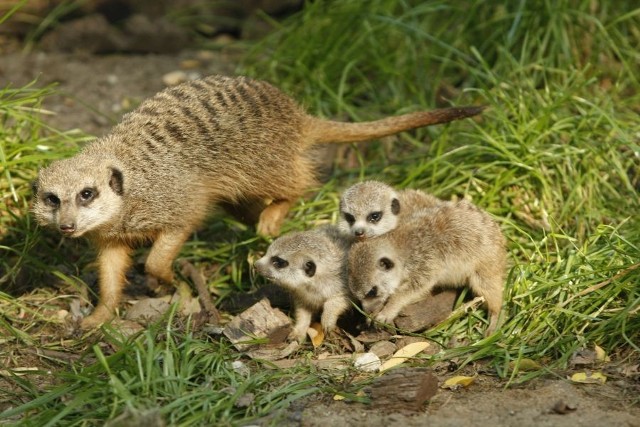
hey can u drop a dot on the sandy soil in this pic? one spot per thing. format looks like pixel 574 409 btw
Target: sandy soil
pixel 94 91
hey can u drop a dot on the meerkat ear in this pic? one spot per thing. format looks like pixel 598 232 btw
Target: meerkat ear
pixel 34 187
pixel 395 206
pixel 116 182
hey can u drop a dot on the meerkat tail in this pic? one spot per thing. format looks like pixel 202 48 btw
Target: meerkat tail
pixel 323 131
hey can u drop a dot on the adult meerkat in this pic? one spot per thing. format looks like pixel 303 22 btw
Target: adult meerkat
pixel 311 266
pixel 218 140
pixel 372 208
pixel 455 244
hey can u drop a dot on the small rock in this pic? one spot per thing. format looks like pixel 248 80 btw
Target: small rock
pixel 240 367
pixel 367 362
pixel 190 64
pixel 383 349
pixel 174 78
pixel 205 56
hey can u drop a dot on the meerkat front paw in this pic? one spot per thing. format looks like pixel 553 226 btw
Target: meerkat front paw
pixel 386 317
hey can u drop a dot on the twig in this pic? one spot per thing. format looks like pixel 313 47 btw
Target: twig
pixel 199 282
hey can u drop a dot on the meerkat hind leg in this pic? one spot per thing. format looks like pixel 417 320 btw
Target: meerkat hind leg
pixel 491 290
pixel 113 262
pixel 272 217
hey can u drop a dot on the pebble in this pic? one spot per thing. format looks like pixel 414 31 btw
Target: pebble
pixel 190 64
pixel 174 78
pixel 368 362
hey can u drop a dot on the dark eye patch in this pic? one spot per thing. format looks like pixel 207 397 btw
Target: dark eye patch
pixel 310 268
pixel 279 263
pixel 51 200
pixel 374 217
pixel 86 195
pixel 373 292
pixel 349 218
pixel 386 264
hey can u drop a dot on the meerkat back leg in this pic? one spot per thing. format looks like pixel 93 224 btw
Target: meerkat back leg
pixel 246 211
pixel 165 249
pixel 272 217
pixel 490 288
pixel 113 261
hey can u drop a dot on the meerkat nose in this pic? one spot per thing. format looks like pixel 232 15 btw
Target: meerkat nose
pixel 67 228
pixel 359 232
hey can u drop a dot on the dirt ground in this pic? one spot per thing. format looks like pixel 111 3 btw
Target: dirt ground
pixel 94 91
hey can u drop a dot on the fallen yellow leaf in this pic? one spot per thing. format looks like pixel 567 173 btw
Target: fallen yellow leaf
pixel 589 378
pixel 458 381
pixel 403 354
pixel 317 338
pixel 601 355
pixel 525 365
pixel 337 397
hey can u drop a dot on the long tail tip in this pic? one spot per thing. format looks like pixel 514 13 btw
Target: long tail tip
pixel 471 110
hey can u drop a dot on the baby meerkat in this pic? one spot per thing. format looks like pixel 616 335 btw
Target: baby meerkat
pixel 311 265
pixel 454 245
pixel 229 141
pixel 372 208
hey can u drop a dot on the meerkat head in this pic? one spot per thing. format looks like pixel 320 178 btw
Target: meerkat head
pixel 369 209
pixel 78 195
pixel 298 260
pixel 374 272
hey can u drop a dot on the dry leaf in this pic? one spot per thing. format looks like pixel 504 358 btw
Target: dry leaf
pixel 525 365
pixel 338 397
pixel 403 354
pixel 17 371
pixel 589 378
pixel 601 355
pixel 458 381
pixel 316 334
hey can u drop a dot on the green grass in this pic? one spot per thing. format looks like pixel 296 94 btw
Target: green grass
pixel 555 159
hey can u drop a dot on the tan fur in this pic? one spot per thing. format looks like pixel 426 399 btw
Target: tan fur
pixel 453 244
pixel 322 290
pixel 372 208
pixel 222 140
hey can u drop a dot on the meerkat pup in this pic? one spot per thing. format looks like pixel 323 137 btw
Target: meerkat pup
pixel 229 141
pixel 455 244
pixel 311 266
pixel 372 208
